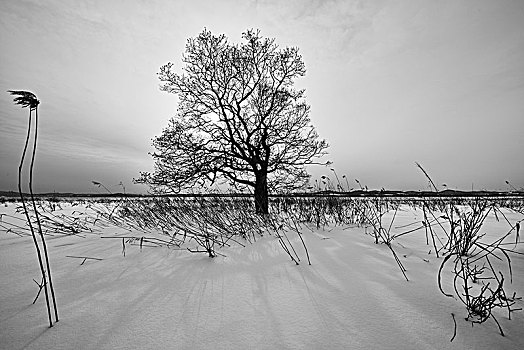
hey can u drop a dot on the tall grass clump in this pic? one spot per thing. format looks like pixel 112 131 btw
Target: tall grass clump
pixel 200 224
pixel 477 282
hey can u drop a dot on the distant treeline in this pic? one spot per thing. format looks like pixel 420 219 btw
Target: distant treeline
pixel 356 193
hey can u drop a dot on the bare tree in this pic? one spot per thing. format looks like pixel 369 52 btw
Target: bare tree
pixel 239 119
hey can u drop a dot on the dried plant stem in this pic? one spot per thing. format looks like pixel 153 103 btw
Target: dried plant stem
pixel 44 245
pixel 83 257
pixel 26 212
pixel 454 328
pixel 40 286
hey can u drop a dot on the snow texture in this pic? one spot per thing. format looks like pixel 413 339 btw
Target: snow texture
pixel 353 296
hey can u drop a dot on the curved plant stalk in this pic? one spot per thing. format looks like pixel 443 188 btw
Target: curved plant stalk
pixel 28 99
pixel 44 245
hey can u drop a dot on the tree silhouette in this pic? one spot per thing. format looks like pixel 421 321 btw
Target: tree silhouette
pixel 28 99
pixel 239 119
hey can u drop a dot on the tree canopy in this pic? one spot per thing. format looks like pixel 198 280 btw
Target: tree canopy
pixel 239 119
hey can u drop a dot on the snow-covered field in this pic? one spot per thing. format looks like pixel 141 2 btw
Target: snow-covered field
pixel 353 296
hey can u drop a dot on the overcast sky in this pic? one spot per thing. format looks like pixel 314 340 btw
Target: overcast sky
pixel 389 83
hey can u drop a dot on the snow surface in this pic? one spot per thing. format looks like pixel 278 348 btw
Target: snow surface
pixel 353 296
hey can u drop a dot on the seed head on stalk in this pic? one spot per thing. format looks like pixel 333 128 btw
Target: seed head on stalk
pixel 25 98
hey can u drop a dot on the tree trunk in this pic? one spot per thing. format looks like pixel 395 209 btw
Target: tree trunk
pixel 261 193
